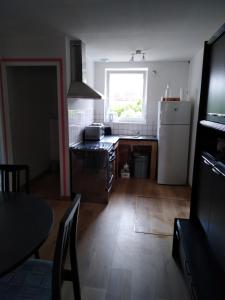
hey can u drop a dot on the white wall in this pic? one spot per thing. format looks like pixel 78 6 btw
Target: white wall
pixel 38 46
pixel 81 114
pixel 174 73
pixel 194 91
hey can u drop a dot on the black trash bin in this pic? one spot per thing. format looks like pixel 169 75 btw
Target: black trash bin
pixel 141 165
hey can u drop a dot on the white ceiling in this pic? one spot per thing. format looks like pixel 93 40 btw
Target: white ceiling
pixel 166 29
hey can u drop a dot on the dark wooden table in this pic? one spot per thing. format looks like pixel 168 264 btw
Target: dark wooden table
pixel 25 222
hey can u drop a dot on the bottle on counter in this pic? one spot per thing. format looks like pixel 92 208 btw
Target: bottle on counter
pixel 167 92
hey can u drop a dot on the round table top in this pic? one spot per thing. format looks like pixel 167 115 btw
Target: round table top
pixel 25 222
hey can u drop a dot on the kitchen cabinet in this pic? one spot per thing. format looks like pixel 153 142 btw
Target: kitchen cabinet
pixel 205 192
pixel 115 162
pixel 115 141
pixel 202 274
pixel 216 231
pixel 91 170
pixel 147 146
pixel 125 145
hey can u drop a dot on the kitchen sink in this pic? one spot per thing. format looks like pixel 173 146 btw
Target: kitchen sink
pixel 137 137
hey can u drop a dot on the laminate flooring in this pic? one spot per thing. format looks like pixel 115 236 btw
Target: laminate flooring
pixel 154 215
pixel 116 263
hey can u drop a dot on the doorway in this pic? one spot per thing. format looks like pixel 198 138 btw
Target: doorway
pixel 33 121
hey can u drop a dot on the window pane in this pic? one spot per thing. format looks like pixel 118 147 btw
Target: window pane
pixel 126 94
pixel 125 87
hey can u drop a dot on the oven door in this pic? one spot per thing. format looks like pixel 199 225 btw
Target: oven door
pixel 112 157
pixel 89 175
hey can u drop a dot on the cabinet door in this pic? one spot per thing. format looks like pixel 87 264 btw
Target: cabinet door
pixel 205 192
pixel 217 217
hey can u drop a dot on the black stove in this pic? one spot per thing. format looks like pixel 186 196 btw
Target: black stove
pixel 92 169
pixel 92 146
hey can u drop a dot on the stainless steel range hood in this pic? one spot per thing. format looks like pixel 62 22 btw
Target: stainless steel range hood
pixel 79 89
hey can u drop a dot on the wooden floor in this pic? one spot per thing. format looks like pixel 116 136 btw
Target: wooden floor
pixel 155 215
pixel 46 186
pixel 116 263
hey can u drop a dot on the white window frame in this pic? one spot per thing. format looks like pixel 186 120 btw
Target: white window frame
pixel 143 71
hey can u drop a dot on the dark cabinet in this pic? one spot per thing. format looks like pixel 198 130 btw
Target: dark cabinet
pixel 191 250
pixel 216 232
pixel 199 242
pixel 90 175
pixel 204 192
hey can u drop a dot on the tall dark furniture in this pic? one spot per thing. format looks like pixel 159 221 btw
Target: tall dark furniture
pixel 199 243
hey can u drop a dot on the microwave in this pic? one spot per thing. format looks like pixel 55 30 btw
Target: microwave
pixel 94 132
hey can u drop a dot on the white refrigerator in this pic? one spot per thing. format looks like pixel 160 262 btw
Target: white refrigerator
pixel 173 141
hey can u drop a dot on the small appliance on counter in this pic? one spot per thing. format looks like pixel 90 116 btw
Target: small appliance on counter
pixel 94 132
pixel 108 130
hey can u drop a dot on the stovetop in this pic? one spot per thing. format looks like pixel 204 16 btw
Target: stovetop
pixel 92 146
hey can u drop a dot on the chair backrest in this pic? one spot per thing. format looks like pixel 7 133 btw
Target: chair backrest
pixel 66 239
pixel 14 178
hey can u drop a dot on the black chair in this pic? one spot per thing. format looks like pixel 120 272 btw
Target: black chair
pixel 42 280
pixel 11 177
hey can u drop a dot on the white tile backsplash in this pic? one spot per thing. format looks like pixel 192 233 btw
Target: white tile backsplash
pixel 79 117
pixel 81 114
pixel 132 128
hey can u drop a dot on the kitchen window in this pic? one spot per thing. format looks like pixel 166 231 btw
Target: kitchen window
pixel 126 92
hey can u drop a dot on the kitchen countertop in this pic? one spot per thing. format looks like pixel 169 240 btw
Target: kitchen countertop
pixel 110 139
pixel 115 138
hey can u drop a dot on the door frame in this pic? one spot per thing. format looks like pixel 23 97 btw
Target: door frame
pixel 62 113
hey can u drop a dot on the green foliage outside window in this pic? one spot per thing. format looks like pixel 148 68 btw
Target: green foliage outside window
pixel 127 109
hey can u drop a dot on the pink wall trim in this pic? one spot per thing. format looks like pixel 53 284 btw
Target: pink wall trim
pixel 62 105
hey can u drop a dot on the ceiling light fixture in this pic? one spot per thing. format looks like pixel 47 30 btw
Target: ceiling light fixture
pixel 138 55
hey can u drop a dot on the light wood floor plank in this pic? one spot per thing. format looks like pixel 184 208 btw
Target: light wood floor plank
pixel 155 215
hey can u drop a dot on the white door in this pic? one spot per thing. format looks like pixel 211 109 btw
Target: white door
pixel 173 147
pixel 174 112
